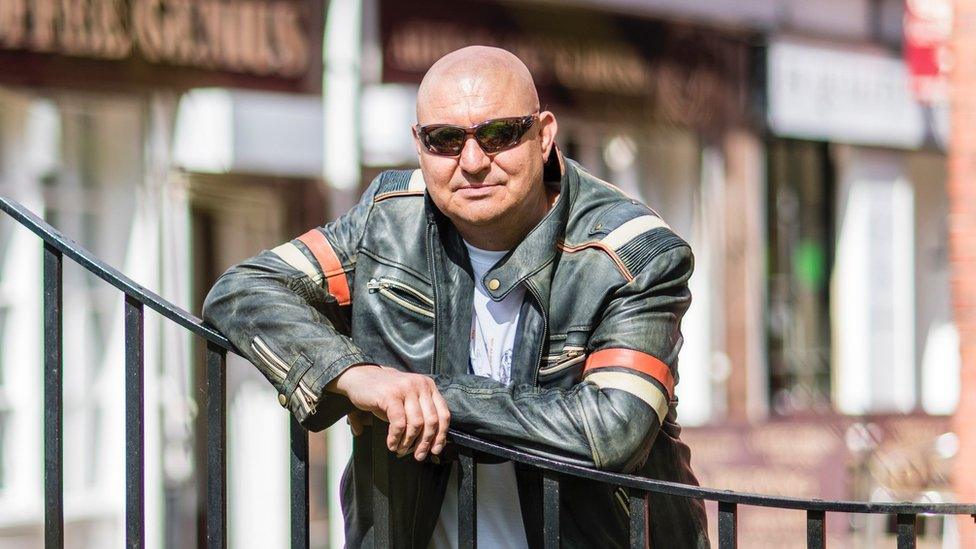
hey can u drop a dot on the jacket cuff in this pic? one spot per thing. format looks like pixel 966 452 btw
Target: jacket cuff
pixel 326 408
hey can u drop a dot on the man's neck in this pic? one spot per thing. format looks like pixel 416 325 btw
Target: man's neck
pixel 507 233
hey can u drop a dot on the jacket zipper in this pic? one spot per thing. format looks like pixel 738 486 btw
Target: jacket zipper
pixel 545 328
pixel 384 285
pixel 620 495
pixel 569 351
pixel 572 357
pixel 433 289
pixel 279 367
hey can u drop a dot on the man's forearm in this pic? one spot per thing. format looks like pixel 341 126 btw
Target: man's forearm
pixel 584 424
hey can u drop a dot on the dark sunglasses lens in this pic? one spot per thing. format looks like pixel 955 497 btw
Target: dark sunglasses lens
pixel 446 140
pixel 498 135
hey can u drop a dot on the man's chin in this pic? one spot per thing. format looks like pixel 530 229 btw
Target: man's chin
pixel 480 216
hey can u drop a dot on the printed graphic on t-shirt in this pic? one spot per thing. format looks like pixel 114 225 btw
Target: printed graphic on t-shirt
pixel 491 355
pixel 506 366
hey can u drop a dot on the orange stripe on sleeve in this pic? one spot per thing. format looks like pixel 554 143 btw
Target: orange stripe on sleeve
pixel 635 360
pixel 330 265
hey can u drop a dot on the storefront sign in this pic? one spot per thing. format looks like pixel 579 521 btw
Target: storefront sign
pixel 255 43
pixel 600 67
pixel 848 96
pixel 583 59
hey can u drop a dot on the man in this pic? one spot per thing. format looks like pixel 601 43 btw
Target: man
pixel 501 290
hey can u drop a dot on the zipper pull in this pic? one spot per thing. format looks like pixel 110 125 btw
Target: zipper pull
pixel 373 285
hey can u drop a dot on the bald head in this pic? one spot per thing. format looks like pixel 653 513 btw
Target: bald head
pixel 475 83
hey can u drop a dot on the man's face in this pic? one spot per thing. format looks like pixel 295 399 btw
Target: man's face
pixel 476 188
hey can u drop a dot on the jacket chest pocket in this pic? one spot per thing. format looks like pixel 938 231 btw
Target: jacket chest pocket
pixel 402 294
pixel 393 314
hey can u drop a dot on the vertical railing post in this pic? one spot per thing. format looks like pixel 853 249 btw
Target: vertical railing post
pixel 383 532
pixel 134 431
pixel 299 486
pixel 216 446
pixel 906 531
pixel 467 500
pixel 550 510
pixel 53 384
pixel 727 535
pixel 816 529
pixel 638 519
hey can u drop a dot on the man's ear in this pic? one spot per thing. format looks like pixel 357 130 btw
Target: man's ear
pixel 547 131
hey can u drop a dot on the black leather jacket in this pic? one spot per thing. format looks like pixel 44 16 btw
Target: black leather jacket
pixel 595 362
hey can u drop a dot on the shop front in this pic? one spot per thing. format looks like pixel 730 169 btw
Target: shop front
pixel 98 134
pixel 862 366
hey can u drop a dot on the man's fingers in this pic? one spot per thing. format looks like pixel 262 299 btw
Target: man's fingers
pixel 417 414
pixel 431 421
pixel 444 421
pixel 415 423
pixel 398 423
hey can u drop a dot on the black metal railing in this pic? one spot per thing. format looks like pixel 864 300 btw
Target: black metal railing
pixel 136 298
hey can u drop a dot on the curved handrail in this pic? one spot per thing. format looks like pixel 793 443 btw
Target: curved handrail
pixel 187 320
pixel 712 494
pixel 110 274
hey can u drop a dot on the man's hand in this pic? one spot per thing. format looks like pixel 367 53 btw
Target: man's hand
pixel 411 403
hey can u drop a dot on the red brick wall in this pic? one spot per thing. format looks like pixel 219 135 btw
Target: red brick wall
pixel 962 245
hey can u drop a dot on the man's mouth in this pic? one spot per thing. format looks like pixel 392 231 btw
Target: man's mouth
pixel 478 186
pixel 474 191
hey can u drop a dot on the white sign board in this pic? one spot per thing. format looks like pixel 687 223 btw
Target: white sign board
pixel 841 95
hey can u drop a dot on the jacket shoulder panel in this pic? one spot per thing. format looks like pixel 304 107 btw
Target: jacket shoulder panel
pixel 396 228
pixel 628 231
pixel 396 183
pixel 637 253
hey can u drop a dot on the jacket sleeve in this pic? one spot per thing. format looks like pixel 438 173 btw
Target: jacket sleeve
pixel 609 419
pixel 286 310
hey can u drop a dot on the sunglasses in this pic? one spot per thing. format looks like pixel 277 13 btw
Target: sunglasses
pixel 495 135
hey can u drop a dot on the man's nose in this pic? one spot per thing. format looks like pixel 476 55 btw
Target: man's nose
pixel 473 160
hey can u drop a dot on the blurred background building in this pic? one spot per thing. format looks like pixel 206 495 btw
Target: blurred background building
pixel 800 147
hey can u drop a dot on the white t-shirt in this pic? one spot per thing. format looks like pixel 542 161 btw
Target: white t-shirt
pixel 492 345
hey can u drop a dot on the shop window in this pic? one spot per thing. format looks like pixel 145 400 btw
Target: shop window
pixel 6 234
pixel 4 411
pixel 4 313
pixel 799 226
pixel 93 426
pixel 90 196
pixel 3 446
